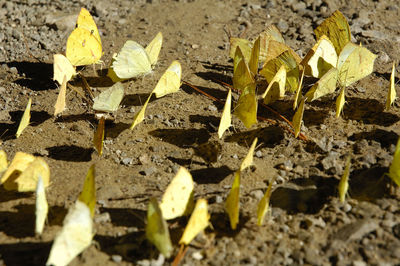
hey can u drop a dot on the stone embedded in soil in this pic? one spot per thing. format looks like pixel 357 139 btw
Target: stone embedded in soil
pixel 116 258
pixel 331 163
pixel 102 218
pixel 357 230
pixel 149 171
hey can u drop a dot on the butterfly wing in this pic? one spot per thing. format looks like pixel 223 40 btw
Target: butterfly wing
pixel 154 47
pixel 83 48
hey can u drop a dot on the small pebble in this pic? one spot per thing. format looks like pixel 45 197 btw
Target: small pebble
pixel 259 154
pixel 197 255
pixel 116 258
pixel 102 218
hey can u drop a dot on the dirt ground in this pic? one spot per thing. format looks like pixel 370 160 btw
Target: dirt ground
pixel 307 225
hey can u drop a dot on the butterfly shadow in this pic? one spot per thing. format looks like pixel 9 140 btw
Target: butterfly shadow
pixel 137 99
pixel 269 136
pixel 113 130
pixel 217 93
pixel 70 153
pixel 210 121
pixel 8 195
pixel 76 117
pixel 182 137
pixel 19 223
pixel 56 215
pixel 222 227
pixel 8 130
pixel 36 75
pixel 126 217
pixel 384 137
pixel 304 195
pixel 211 175
pixel 36 253
pixel 369 111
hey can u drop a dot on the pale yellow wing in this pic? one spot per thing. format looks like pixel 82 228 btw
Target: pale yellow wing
pixel 297 98
pixel 325 85
pixel 19 163
pixel 245 47
pixel 198 221
pixel 3 162
pixel 26 117
pixel 248 160
pixel 246 106
pixel 242 76
pixel 178 197
pixel 232 201
pixel 170 81
pixel 27 181
pixel 392 90
pixel 320 58
pixel 270 33
pixel 153 48
pixel 354 63
pixel 254 57
pixel 62 67
pixel 394 169
pixel 139 116
pixel 226 119
pixel 157 229
pixel 110 99
pixel 276 88
pixel 340 101
pixel 344 181
pixel 98 136
pixel 88 194
pixel 337 29
pixel 298 118
pixel 60 103
pixel 41 207
pixel 132 61
pixel 263 205
pixel 75 236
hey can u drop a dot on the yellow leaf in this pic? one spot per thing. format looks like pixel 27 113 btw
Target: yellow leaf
pixel 298 118
pixel 226 115
pixel 178 197
pixel 255 54
pixel 297 98
pixel 88 194
pixel 276 88
pixel 198 221
pixel 170 81
pixel 340 101
pixel 24 171
pixel 354 63
pixel 246 107
pixel 394 169
pixel 139 116
pixel 157 229
pixel 75 236
pixel 98 137
pixel 3 161
pixel 392 91
pixel 60 103
pixel 62 67
pixel 286 59
pixel 110 99
pixel 263 205
pixel 26 117
pixel 232 201
pixel 320 58
pixel 248 160
pixel 325 85
pixel 337 29
pixel 344 181
pixel 41 207
pixel 84 43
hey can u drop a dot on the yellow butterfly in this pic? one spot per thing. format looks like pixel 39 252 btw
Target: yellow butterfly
pixel 24 171
pixel 298 118
pixel 248 160
pixel 157 229
pixel 178 197
pixel 170 81
pixel 340 101
pixel 392 90
pixel 263 205
pixel 26 117
pixel 109 100
pixel 84 43
pixel 75 236
pixel 344 181
pixel 139 116
pixel 98 137
pixel 198 221
pixel 3 161
pixel 41 206
pixel 62 67
pixel 276 87
pixel 394 169
pixel 232 201
pixel 133 60
pixel 88 194
pixel 226 115
pixel 60 103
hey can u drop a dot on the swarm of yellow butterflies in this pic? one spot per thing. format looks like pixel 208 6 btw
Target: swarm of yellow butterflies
pixel 334 60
